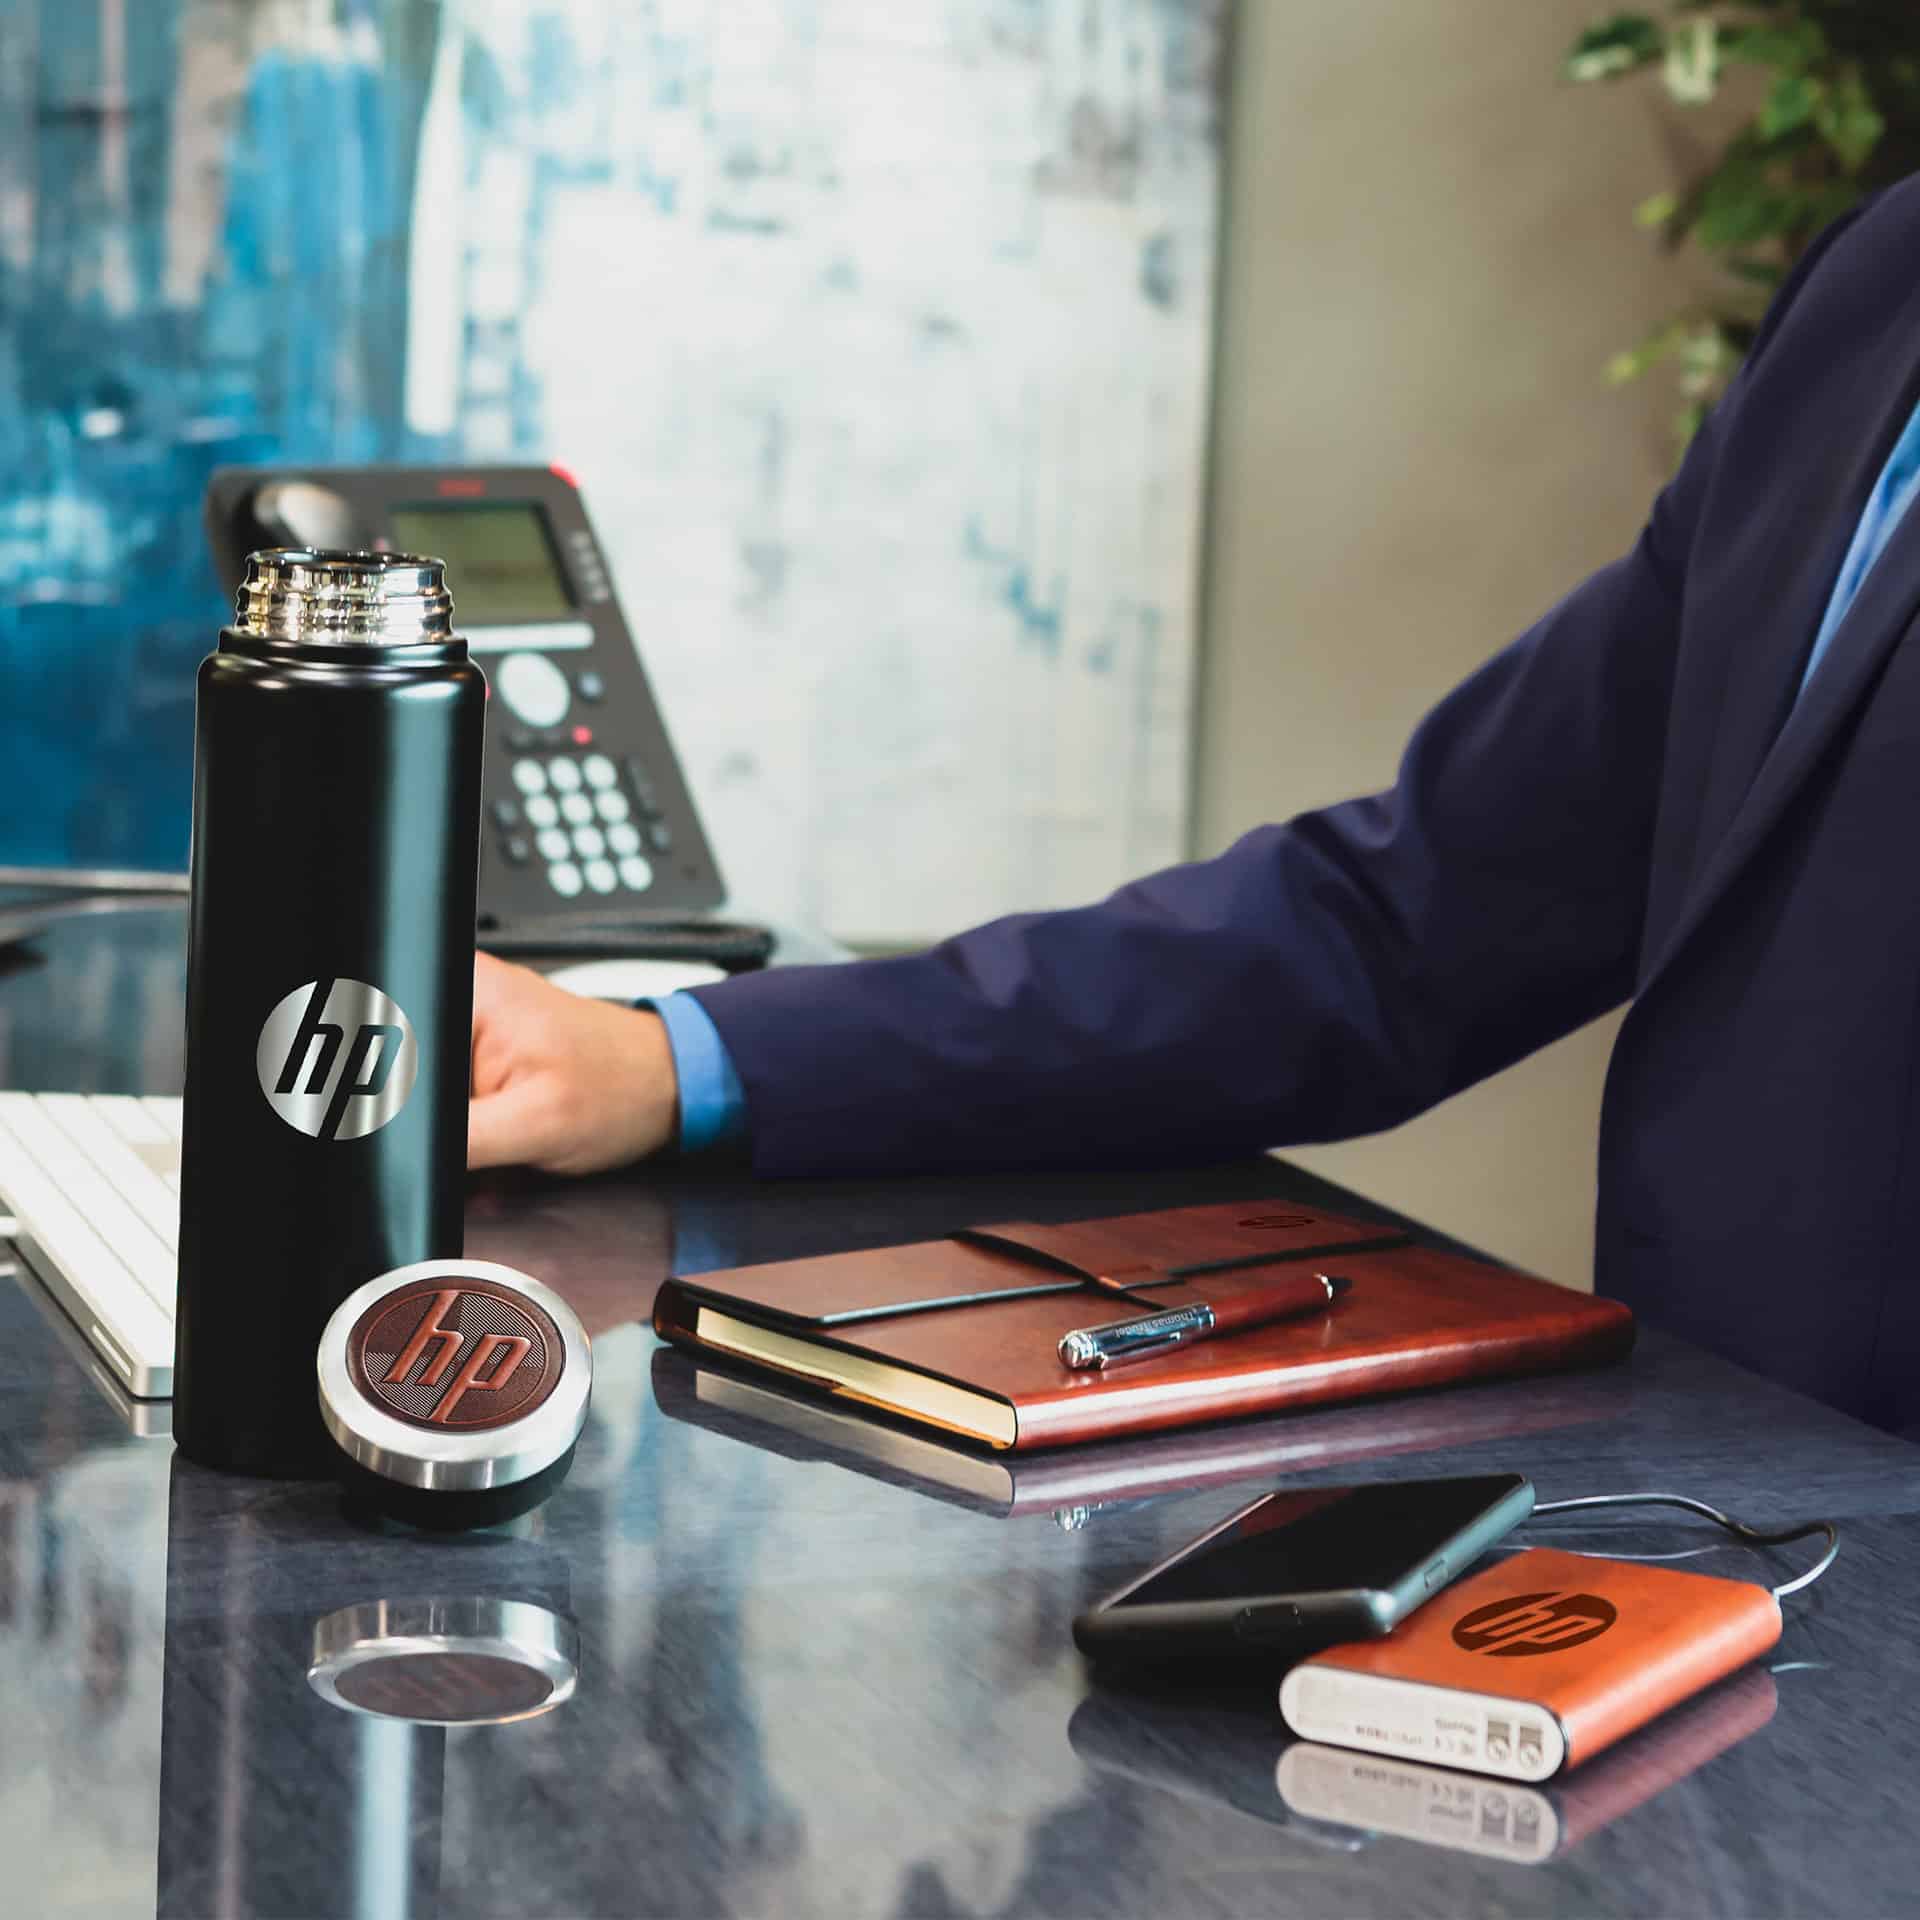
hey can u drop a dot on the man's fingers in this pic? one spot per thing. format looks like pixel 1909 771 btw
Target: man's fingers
pixel 492 980
pixel 496 985
pixel 503 1128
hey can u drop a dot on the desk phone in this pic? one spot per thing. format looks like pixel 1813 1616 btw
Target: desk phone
pixel 589 840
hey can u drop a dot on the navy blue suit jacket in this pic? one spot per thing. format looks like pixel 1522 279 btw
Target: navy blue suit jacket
pixel 1625 804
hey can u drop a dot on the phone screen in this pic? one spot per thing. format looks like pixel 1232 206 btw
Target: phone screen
pixel 500 559
pixel 1323 1539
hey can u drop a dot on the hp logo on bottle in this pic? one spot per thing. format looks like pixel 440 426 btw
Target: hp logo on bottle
pixel 337 1059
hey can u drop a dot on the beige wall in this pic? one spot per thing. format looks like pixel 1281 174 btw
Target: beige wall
pixel 1429 257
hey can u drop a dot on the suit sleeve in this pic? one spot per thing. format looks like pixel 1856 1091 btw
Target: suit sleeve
pixel 1326 977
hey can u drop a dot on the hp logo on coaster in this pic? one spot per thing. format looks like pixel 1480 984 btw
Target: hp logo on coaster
pixel 337 1059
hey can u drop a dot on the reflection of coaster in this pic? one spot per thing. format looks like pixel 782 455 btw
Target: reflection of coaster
pixel 455 1389
pixel 445 1663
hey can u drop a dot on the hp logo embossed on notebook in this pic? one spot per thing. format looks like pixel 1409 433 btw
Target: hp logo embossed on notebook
pixel 337 1059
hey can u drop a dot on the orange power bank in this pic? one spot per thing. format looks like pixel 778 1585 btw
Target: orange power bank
pixel 1532 1666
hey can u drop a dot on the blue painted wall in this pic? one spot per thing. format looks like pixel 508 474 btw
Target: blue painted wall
pixel 121 387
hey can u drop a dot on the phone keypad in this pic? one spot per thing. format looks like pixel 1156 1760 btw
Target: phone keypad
pixel 595 819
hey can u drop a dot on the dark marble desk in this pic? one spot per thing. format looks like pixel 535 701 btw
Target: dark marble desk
pixel 810 1685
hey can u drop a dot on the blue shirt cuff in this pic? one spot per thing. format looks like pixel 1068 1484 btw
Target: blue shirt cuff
pixel 713 1103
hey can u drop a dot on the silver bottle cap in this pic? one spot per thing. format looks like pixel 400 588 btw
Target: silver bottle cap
pixel 454 1376
pixel 464 1661
pixel 307 596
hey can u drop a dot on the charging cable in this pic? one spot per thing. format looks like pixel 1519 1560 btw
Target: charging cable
pixel 1752 1536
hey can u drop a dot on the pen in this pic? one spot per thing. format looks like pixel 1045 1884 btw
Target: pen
pixel 1296 1293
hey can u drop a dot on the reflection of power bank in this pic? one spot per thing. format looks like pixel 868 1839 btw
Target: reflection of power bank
pixel 1510 1822
pixel 1536 1664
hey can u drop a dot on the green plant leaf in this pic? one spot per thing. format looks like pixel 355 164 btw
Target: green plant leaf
pixel 1849 121
pixel 1615 46
pixel 1837 116
pixel 1656 210
pixel 1795 48
pixel 1659 345
pixel 1791 102
pixel 1692 66
pixel 1686 423
pixel 1708 360
pixel 1737 205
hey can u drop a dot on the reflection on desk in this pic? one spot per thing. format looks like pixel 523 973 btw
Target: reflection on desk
pixel 1505 1821
pixel 1241 1757
pixel 1076 1483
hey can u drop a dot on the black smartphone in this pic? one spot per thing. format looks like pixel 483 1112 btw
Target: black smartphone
pixel 1294 1572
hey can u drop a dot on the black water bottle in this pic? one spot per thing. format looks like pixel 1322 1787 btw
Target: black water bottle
pixel 336 826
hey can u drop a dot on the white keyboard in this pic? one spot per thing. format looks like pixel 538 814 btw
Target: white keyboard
pixel 93 1184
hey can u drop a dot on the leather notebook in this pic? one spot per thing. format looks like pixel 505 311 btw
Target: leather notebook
pixel 962 1334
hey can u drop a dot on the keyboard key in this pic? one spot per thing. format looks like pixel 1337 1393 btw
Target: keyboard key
pixel 624 839
pixel 541 812
pixel 577 809
pixel 589 842
pixel 564 773
pixel 601 876
pixel 564 878
pixel 637 872
pixel 134 1121
pixel 506 816
pixel 515 851
pixel 118 1165
pixel 529 776
pixel 589 686
pixel 659 836
pixel 598 770
pixel 611 805
pixel 554 845
pixel 154 1142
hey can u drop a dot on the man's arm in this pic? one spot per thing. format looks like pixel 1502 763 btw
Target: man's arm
pixel 1324 978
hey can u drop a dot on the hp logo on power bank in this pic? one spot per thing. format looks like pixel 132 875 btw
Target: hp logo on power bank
pixel 337 1059
pixel 1534 1623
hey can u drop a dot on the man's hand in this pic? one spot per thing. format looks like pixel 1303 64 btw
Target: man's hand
pixel 561 1082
